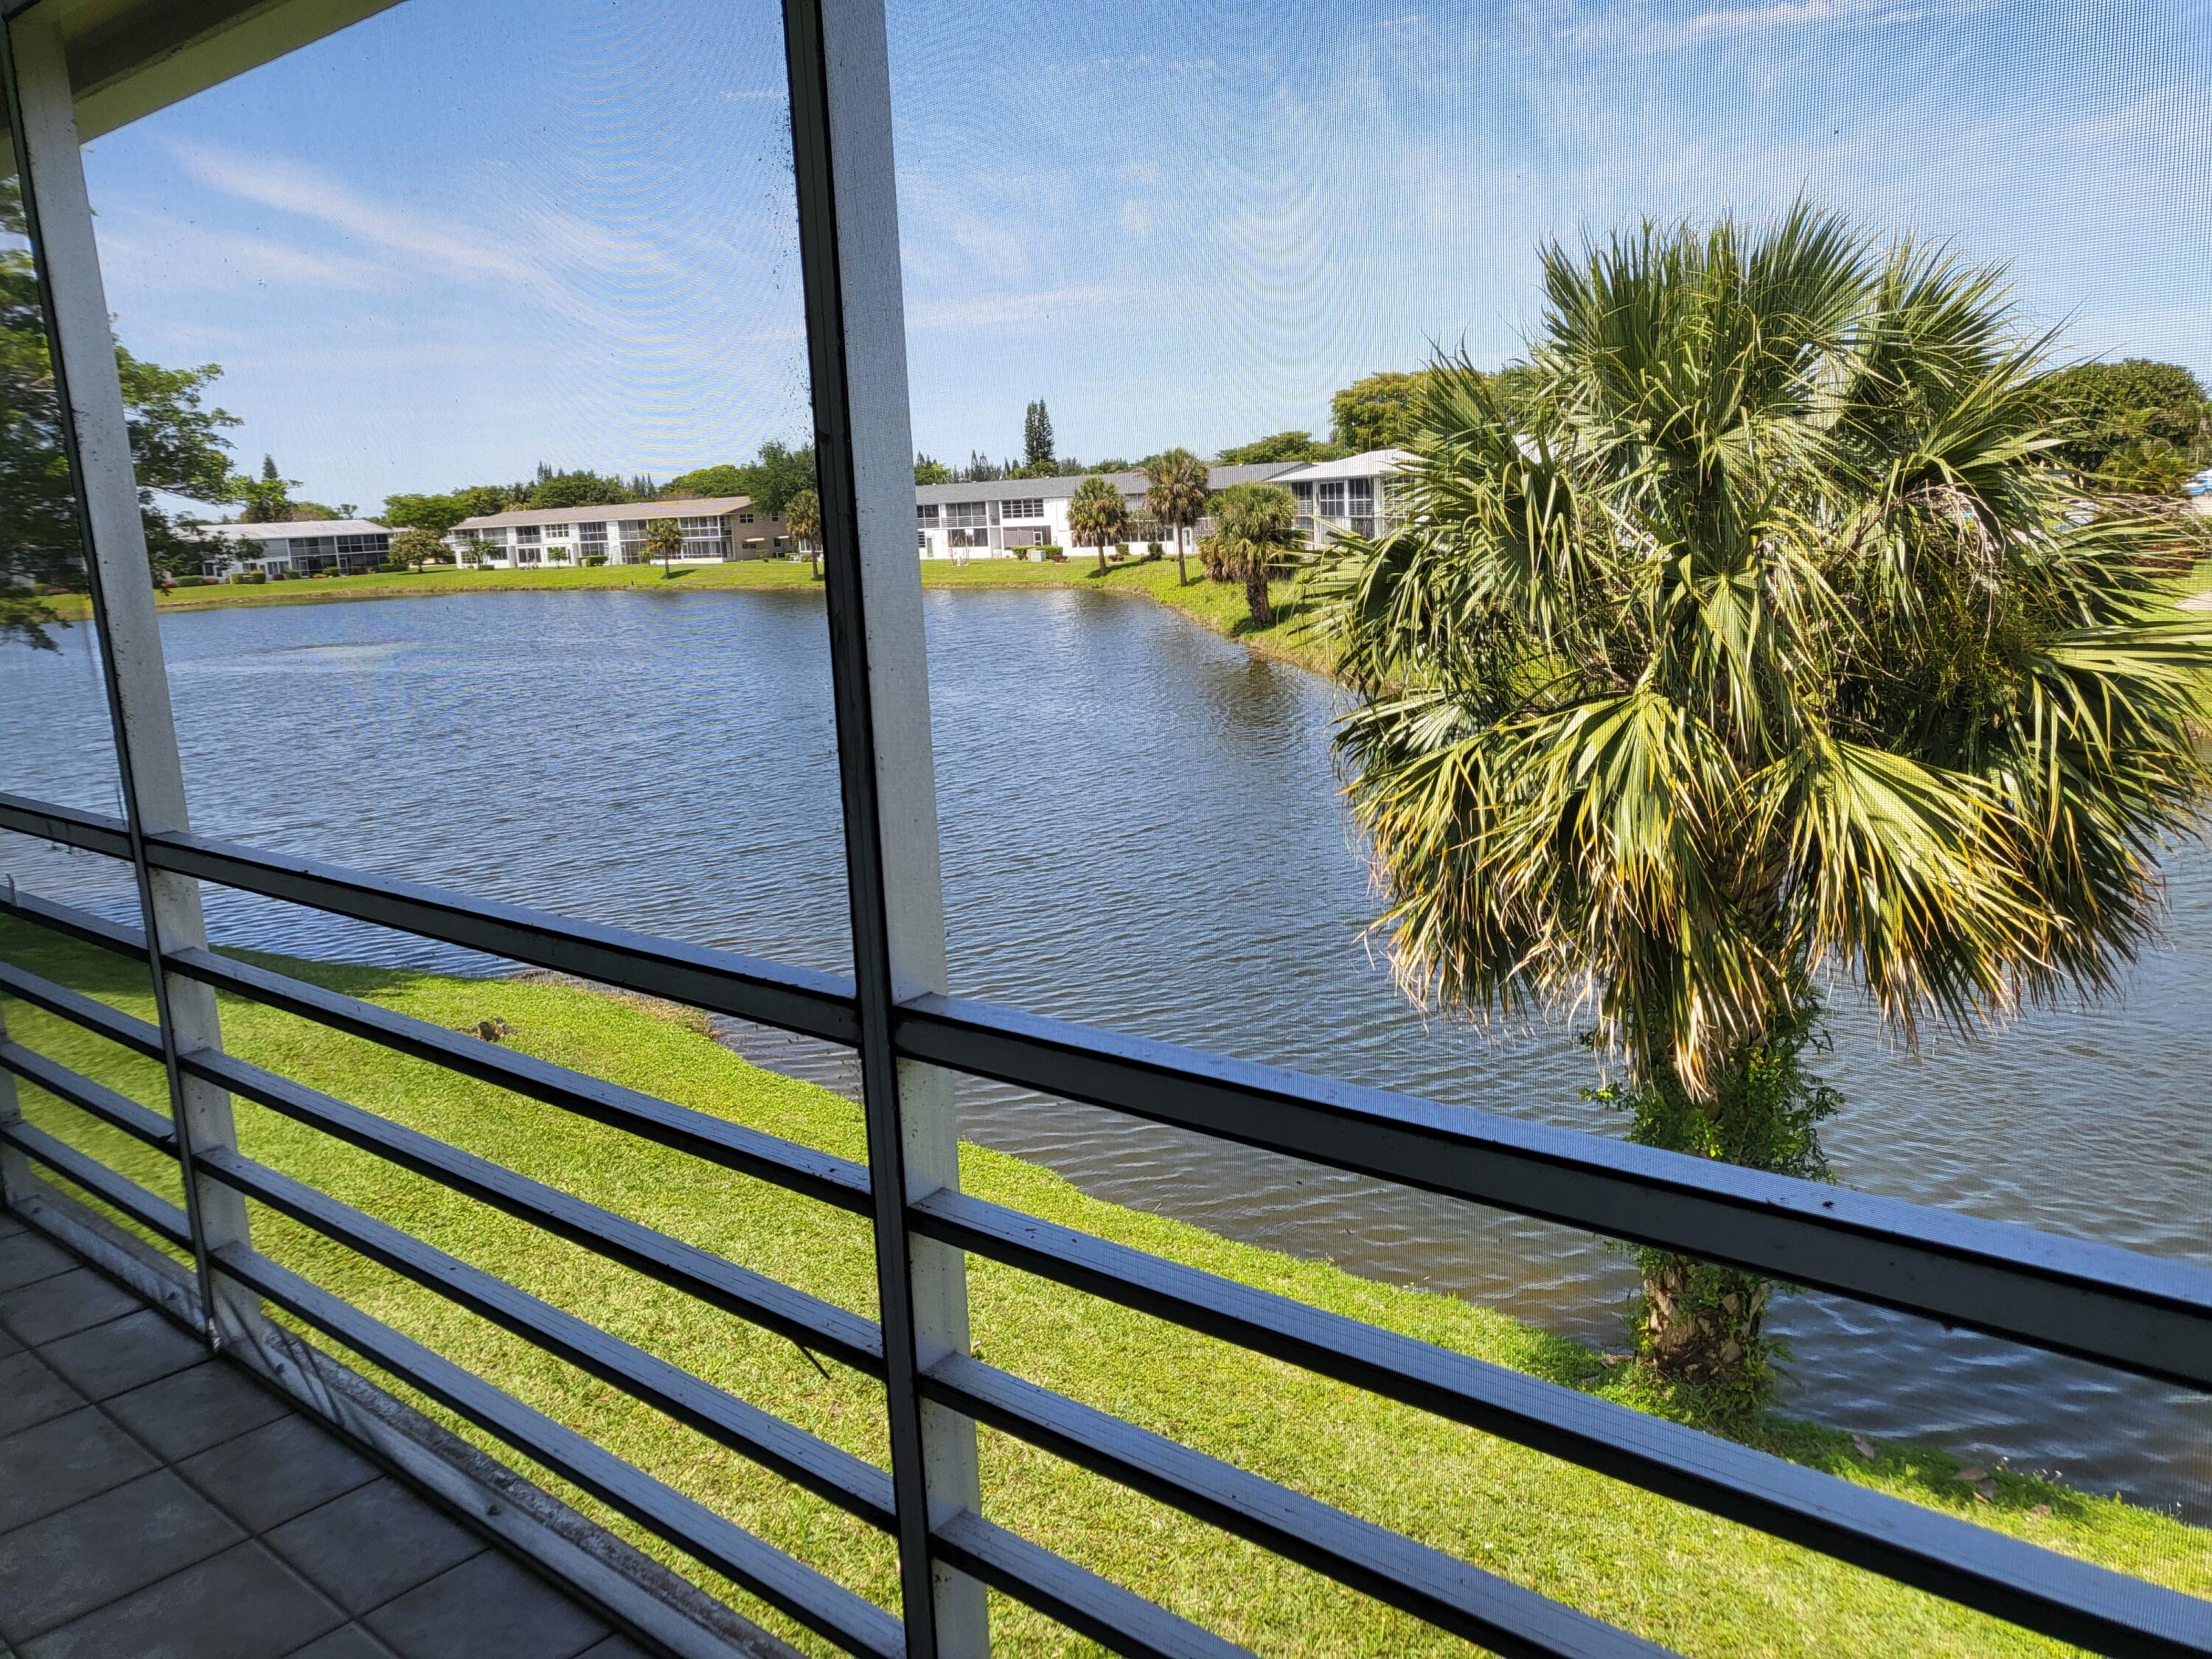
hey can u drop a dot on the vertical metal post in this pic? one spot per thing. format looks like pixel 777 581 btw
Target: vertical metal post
pixel 840 123
pixel 96 439
pixel 15 1168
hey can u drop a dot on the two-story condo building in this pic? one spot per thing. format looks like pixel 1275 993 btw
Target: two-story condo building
pixel 998 520
pixel 305 547
pixel 714 527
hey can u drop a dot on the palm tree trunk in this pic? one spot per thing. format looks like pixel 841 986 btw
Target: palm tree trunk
pixel 1182 570
pixel 1101 558
pixel 1256 598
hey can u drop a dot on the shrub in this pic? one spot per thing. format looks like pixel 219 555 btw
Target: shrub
pixel 251 578
pixel 595 559
pixel 189 581
pixel 1153 549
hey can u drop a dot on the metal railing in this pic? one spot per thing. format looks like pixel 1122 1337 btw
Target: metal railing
pixel 2139 1314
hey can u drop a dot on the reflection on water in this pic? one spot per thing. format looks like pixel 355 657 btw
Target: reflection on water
pixel 1139 829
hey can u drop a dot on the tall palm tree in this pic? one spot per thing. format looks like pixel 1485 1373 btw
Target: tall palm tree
pixel 664 540
pixel 1760 640
pixel 1255 531
pixel 1098 516
pixel 1177 486
pixel 803 513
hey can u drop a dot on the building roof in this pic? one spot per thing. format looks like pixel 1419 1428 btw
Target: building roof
pixel 700 506
pixel 289 530
pixel 1365 465
pixel 1060 488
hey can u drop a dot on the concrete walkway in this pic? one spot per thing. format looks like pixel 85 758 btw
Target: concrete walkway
pixel 155 1501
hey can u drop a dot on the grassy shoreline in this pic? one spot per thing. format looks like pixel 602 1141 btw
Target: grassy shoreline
pixel 1675 1575
pixel 1219 607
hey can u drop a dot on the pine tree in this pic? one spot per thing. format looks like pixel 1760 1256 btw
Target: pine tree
pixel 1037 436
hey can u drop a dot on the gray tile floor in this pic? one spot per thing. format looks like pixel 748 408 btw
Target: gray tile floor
pixel 156 1503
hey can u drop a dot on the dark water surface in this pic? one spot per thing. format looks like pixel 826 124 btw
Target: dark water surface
pixel 1139 829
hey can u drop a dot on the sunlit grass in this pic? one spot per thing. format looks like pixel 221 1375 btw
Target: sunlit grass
pixel 1694 1583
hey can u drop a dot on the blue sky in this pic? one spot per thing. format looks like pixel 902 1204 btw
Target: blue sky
pixel 468 236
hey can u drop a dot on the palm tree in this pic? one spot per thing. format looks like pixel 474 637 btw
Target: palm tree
pixel 1097 516
pixel 1177 488
pixel 1760 640
pixel 664 540
pixel 803 513
pixel 1255 529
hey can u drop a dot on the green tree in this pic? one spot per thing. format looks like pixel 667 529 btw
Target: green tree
pixel 803 514
pixel 417 547
pixel 2137 425
pixel 1255 533
pixel 927 471
pixel 1756 640
pixel 580 488
pixel 721 479
pixel 1377 412
pixel 1037 439
pixel 1097 517
pixel 1278 447
pixel 176 447
pixel 267 499
pixel 434 514
pixel 664 540
pixel 1176 494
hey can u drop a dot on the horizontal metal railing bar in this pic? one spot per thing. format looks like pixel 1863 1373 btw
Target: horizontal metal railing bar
pixel 67 826
pixel 94 1015
pixel 817 1175
pixel 820 1603
pixel 819 1326
pixel 1118 1619
pixel 791 998
pixel 718 1140
pixel 852 1485
pixel 155 1213
pixel 2098 1302
pixel 1445 1591
pixel 2009 1578
pixel 111 1107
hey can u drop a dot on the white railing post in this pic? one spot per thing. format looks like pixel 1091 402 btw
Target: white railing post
pixel 96 438
pixel 841 119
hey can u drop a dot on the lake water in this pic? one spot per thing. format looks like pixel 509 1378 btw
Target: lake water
pixel 1140 829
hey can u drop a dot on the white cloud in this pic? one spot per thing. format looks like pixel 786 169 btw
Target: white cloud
pixel 444 244
pixel 1008 310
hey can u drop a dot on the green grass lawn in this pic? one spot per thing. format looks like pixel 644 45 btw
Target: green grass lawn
pixel 1218 606
pixel 1679 1576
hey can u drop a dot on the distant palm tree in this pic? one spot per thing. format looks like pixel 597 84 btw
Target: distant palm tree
pixel 803 513
pixel 1257 530
pixel 664 540
pixel 1098 517
pixel 1758 638
pixel 1176 495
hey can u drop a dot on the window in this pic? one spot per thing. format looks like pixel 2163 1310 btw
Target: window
pixel 744 517
pixel 925 514
pixel 1360 495
pixel 1029 507
pixel 591 533
pixel 1332 498
pixel 968 515
pixel 557 532
pixel 525 534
